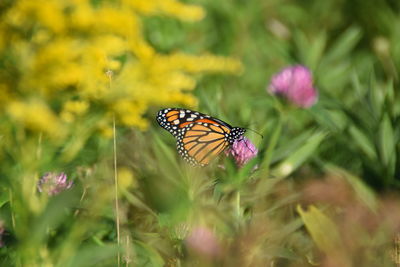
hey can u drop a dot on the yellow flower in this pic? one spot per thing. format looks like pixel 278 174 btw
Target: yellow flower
pixel 82 16
pixel 110 45
pixel 181 11
pixel 48 14
pixel 129 112
pixel 67 116
pixel 104 126
pixel 53 67
pixel 37 116
pixel 205 63
pixel 71 109
pixel 117 21
pixel 169 7
pixel 69 55
pixel 126 179
pixel 106 131
pixel 77 107
pixel 42 36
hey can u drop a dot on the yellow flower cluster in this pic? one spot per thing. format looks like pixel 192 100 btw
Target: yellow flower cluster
pixel 36 116
pixel 61 59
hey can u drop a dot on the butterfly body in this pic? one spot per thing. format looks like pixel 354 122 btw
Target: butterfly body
pixel 199 137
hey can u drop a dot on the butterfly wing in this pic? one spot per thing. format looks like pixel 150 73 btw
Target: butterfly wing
pixel 173 119
pixel 201 142
pixel 199 137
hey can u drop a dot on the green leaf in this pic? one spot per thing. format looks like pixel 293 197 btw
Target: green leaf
pixel 386 140
pixel 316 50
pixel 300 156
pixel 335 75
pixel 92 256
pixel 344 44
pixel 335 120
pixel 321 228
pixel 147 255
pixel 396 109
pixel 54 214
pixel 285 149
pixel 390 92
pixel 137 202
pixel 244 173
pixel 356 84
pixel 166 156
pixel 270 148
pixel 311 50
pixel 362 141
pixel 77 141
pixel 4 197
pixel 376 96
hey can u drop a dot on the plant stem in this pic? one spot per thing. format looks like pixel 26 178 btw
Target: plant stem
pixel 116 188
pixel 109 74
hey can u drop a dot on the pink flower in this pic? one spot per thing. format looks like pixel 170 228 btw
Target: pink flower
pixel 53 183
pixel 203 241
pixel 242 150
pixel 295 84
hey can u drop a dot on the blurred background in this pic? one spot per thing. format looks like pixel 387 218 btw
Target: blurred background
pixel 88 177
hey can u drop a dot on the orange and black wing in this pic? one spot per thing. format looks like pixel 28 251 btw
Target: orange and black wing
pixel 201 142
pixel 199 137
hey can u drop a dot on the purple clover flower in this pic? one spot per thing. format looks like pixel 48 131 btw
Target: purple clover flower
pixel 53 183
pixel 295 83
pixel 242 151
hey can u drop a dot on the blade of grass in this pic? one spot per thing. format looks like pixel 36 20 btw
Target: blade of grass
pixel 265 164
pixel 109 74
pixel 362 141
pixel 300 156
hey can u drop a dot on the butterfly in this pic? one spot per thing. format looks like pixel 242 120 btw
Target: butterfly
pixel 199 137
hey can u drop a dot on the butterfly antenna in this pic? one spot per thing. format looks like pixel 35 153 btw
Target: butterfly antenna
pixel 255 132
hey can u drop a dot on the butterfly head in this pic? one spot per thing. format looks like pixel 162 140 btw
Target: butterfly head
pixel 236 133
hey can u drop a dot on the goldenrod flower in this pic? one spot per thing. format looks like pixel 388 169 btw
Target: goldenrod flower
pixel 67 55
pixel 169 7
pixel 126 178
pixel 37 116
pixel 77 107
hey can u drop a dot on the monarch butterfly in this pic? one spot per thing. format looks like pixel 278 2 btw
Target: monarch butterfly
pixel 199 137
